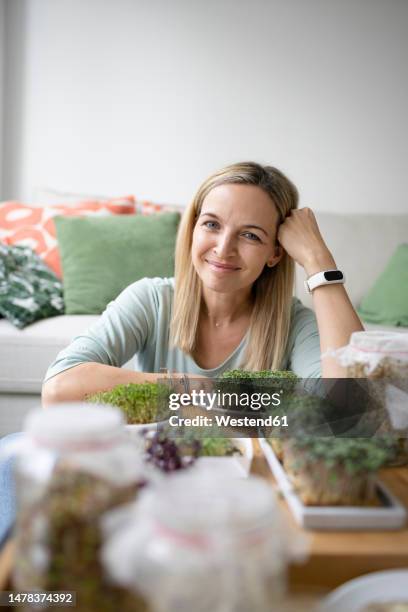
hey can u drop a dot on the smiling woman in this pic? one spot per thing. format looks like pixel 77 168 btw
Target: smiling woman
pixel 230 304
pixel 231 268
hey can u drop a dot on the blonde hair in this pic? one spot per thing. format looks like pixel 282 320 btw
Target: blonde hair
pixel 272 290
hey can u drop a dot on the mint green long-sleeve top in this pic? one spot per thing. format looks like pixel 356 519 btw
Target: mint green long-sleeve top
pixel 137 324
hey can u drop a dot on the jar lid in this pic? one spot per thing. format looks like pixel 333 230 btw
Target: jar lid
pixel 76 425
pixel 380 341
pixel 370 348
pixel 201 501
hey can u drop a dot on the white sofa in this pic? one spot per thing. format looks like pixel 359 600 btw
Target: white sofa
pixel 361 244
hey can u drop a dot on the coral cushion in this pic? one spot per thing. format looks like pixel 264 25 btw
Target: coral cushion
pixel 147 207
pixel 33 226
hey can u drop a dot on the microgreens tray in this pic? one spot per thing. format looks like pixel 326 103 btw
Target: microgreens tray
pixel 236 466
pixel 390 515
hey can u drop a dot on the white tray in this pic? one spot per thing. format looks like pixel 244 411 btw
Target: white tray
pixel 135 430
pixel 235 466
pixel 390 516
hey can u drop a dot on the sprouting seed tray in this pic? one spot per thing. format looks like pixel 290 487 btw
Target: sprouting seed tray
pixel 390 515
pixel 235 466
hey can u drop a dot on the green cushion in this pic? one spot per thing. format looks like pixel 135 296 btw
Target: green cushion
pixel 29 290
pixel 102 255
pixel 387 302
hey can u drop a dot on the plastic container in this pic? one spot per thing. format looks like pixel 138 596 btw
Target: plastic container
pixel 76 464
pixel 201 542
pixel 382 356
pixel 375 354
pixel 391 514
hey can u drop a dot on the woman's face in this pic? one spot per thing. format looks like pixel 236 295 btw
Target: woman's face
pixel 234 237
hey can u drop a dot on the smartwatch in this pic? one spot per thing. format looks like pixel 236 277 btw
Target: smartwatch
pixel 327 277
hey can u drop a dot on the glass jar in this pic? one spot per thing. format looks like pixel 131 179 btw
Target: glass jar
pixel 204 543
pixel 383 356
pixel 76 464
pixel 375 354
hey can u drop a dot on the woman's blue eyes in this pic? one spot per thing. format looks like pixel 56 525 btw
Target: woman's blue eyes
pixel 208 223
pixel 250 235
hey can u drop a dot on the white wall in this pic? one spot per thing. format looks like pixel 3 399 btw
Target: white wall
pixel 148 97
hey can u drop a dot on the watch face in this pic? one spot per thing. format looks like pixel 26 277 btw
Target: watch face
pixel 333 275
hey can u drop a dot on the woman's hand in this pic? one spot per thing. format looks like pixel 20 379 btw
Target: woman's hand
pixel 336 318
pixel 300 236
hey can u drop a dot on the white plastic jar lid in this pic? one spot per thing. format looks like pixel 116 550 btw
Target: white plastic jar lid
pixel 74 424
pixel 199 501
pixel 380 341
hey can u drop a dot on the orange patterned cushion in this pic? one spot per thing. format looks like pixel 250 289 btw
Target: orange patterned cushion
pixel 146 207
pixel 33 226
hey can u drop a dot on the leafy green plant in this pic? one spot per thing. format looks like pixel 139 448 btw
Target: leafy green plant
pixel 141 403
pixel 336 471
pixel 218 447
pixel 208 446
pixel 245 381
pixel 305 413
pixel 238 374
pixel 355 455
pixel 172 454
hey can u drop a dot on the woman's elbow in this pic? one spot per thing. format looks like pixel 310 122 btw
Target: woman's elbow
pixel 51 392
pixel 68 386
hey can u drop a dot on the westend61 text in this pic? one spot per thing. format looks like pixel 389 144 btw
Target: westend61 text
pixel 229 421
pixel 254 401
